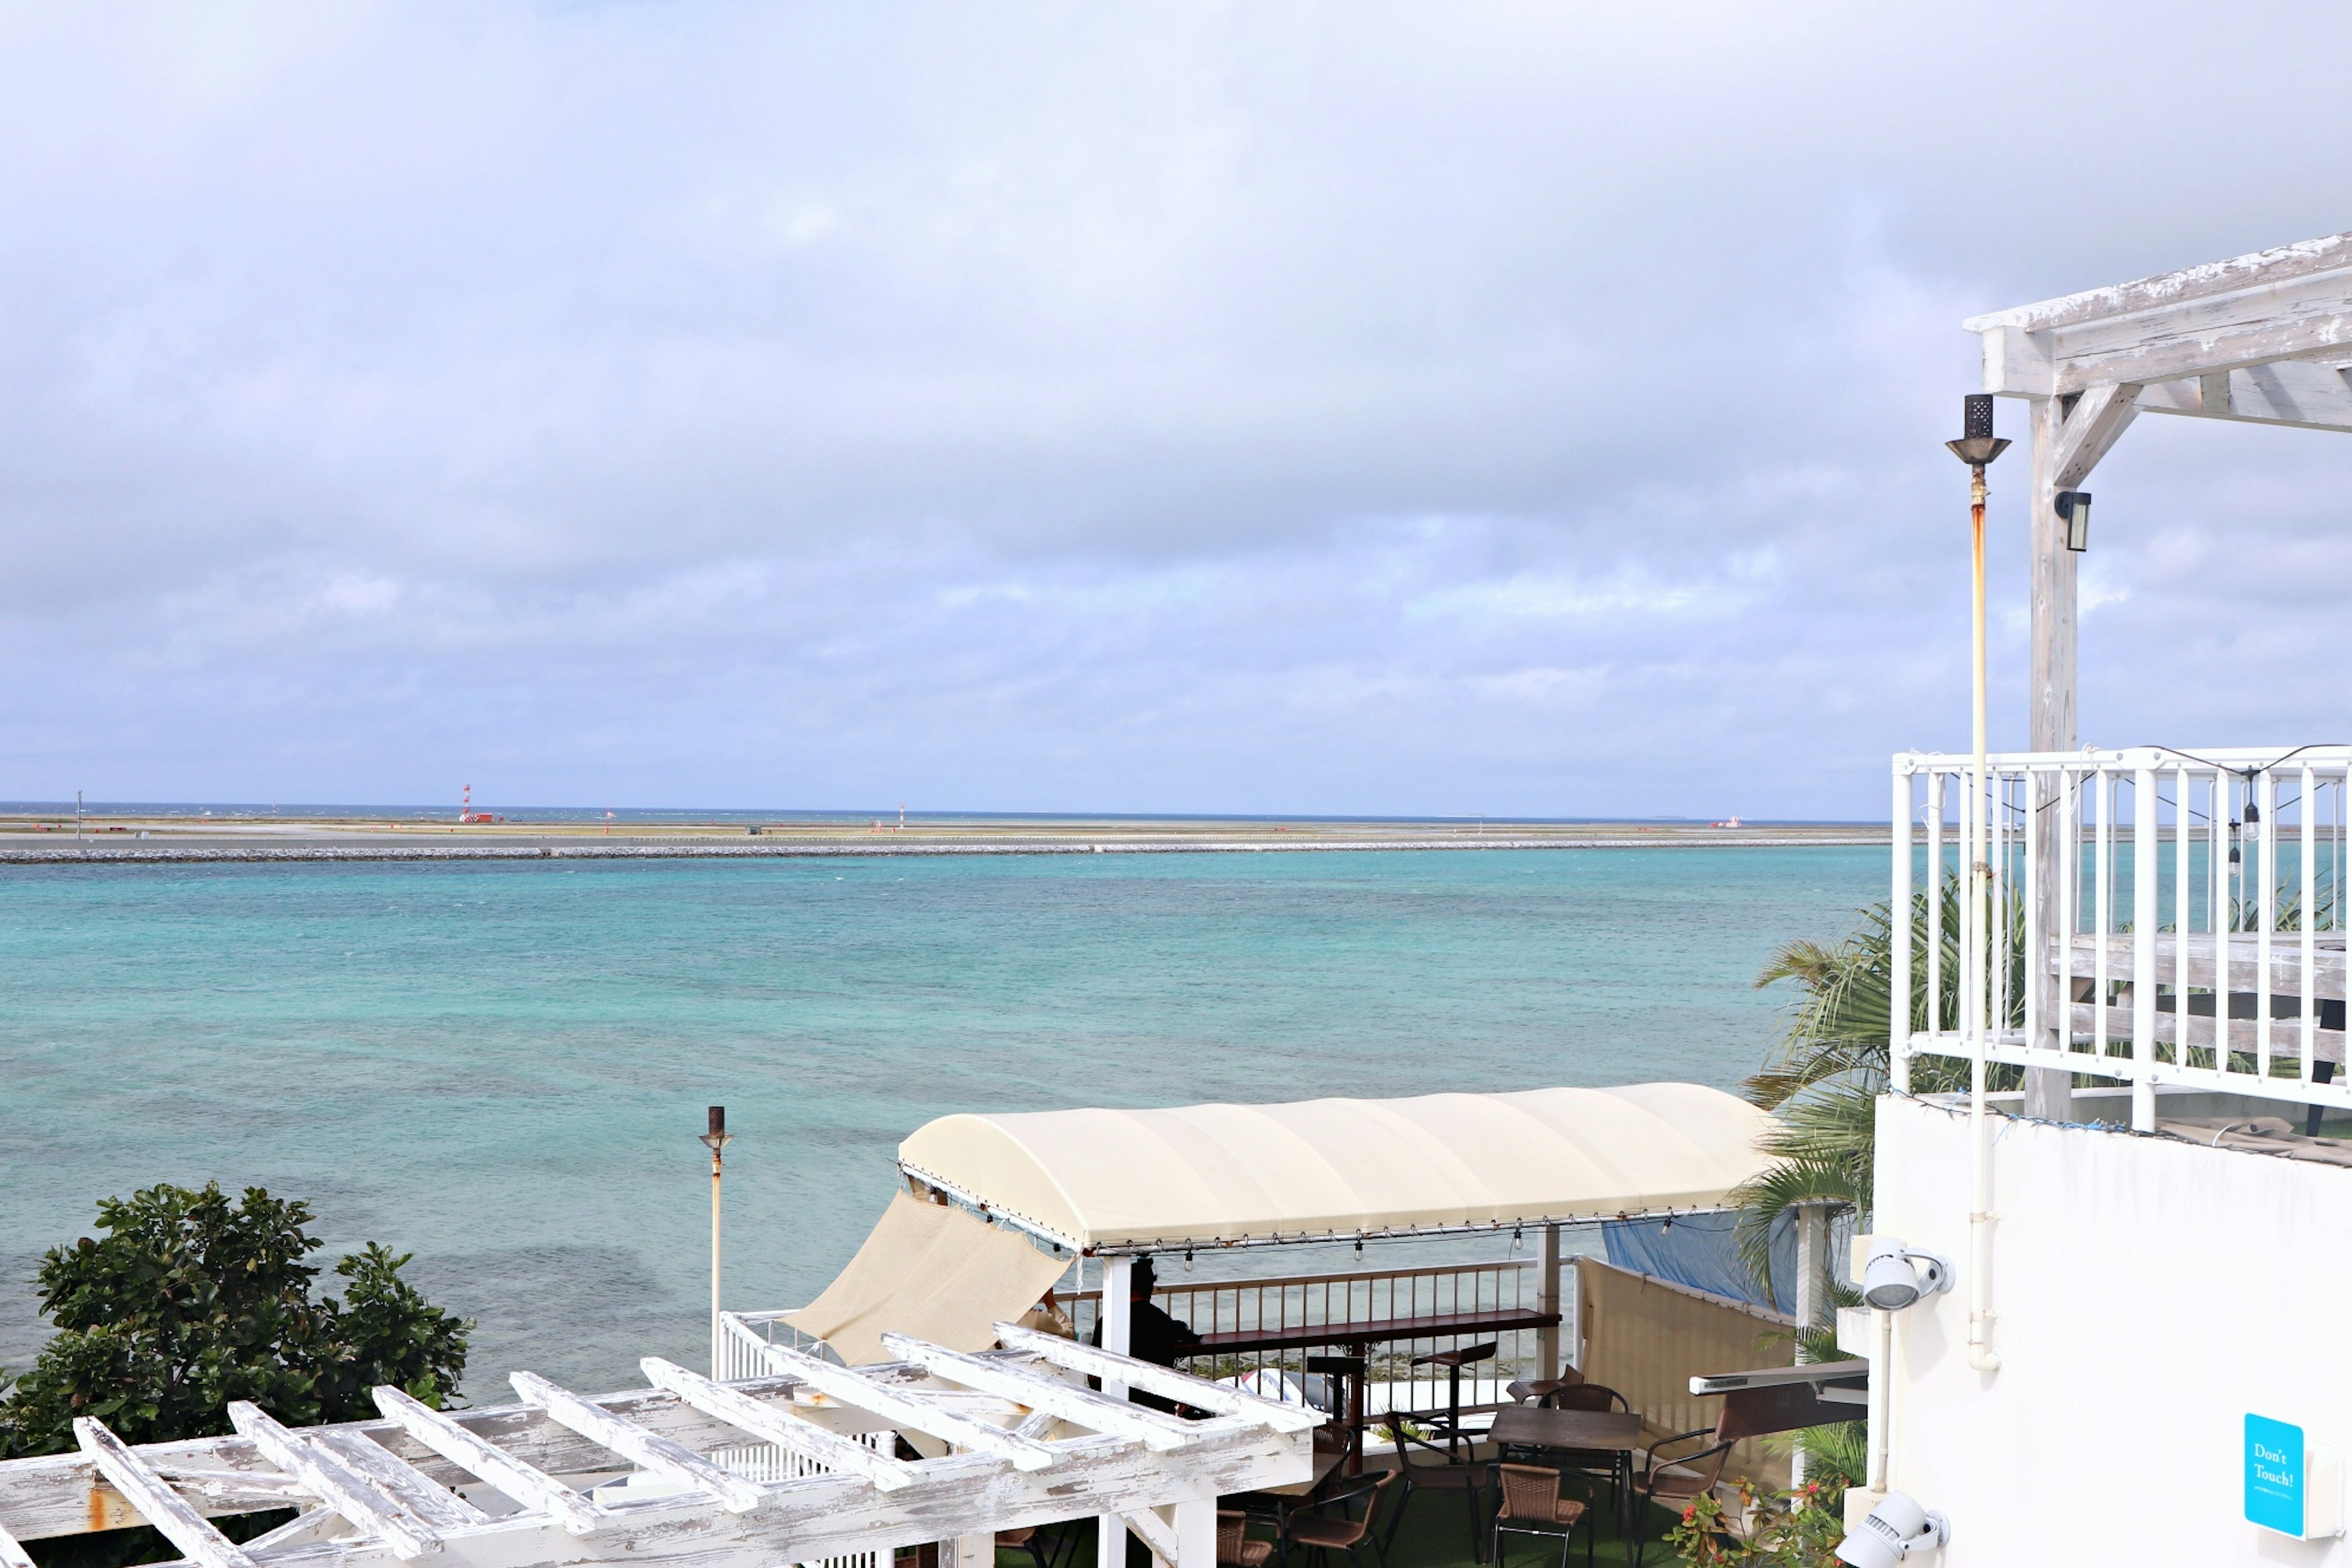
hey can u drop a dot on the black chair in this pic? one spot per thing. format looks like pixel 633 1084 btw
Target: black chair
pixel 1466 1481
pixel 1676 1481
pixel 1341 1520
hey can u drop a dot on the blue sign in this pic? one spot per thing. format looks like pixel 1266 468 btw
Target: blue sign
pixel 2274 1475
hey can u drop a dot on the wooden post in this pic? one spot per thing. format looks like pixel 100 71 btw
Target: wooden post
pixel 2049 1091
pixel 1196 1533
pixel 1548 1300
pixel 1111 1531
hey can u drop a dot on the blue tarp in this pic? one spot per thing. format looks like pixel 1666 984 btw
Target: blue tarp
pixel 1701 1251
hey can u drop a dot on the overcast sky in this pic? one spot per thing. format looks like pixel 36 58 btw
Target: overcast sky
pixel 1257 407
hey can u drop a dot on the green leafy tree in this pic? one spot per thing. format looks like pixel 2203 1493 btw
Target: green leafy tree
pixel 186 1300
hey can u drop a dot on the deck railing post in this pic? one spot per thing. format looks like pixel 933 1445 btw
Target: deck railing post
pixel 2146 857
pixel 1110 1531
pixel 1548 1300
pixel 1898 1011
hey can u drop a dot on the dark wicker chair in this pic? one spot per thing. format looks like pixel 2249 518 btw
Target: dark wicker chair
pixel 1467 1482
pixel 1236 1547
pixel 1528 1502
pixel 1605 1465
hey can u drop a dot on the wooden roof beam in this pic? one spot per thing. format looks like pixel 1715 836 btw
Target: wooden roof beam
pixel 1155 1429
pixel 2303 394
pixel 1162 1381
pixel 909 1409
pixel 645 1449
pixel 157 1503
pixel 2286 304
pixel 530 1487
pixel 370 1508
pixel 771 1425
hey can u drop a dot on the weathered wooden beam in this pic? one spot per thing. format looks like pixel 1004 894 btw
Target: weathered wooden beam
pixel 1153 1531
pixel 648 1450
pixel 436 1505
pixel 333 1482
pixel 1035 1391
pixel 153 1495
pixel 12 1552
pixel 66 1494
pixel 2299 393
pixel 2093 426
pixel 908 1409
pixel 840 1515
pixel 2284 304
pixel 1221 1398
pixel 771 1424
pixel 2280 267
pixel 2286 1034
pixel 303 1526
pixel 2245 977
pixel 526 1484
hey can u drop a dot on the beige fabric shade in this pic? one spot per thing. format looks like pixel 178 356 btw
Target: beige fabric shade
pixel 1205 1174
pixel 933 1273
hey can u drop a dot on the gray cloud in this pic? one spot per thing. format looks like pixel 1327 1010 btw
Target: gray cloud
pixel 1349 408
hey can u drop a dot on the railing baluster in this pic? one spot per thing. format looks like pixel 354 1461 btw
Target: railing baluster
pixel 1936 910
pixel 2182 791
pixel 2145 861
pixel 2309 916
pixel 2068 872
pixel 2102 913
pixel 2268 796
pixel 1899 1010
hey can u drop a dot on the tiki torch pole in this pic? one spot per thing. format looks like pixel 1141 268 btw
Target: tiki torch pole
pixel 716 1141
pixel 1977 447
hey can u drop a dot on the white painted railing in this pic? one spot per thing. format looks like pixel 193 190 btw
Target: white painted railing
pixel 739 1359
pixel 1274 1305
pixel 2222 968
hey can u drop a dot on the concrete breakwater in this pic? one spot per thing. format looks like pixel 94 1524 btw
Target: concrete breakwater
pixel 84 853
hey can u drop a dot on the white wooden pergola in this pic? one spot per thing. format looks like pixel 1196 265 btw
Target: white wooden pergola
pixel 2264 339
pixel 677 1473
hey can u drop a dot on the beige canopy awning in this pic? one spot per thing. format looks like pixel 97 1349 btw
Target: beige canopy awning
pixel 1124 1181
pixel 933 1273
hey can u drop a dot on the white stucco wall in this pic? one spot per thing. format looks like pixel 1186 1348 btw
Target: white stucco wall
pixel 2150 1294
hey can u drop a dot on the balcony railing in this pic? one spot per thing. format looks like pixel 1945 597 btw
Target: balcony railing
pixel 2155 917
pixel 1277 1305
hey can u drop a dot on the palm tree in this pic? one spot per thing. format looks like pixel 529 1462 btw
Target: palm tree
pixel 1823 1080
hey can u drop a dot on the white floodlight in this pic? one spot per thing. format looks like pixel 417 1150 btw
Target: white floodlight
pixel 1895 1529
pixel 1895 1275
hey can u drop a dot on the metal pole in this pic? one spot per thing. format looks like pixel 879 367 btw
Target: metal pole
pixel 716 1141
pixel 1977 447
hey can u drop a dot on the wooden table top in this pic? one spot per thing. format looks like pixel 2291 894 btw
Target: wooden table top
pixel 1536 1427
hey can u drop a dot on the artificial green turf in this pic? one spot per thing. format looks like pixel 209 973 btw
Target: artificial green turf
pixel 1435 1534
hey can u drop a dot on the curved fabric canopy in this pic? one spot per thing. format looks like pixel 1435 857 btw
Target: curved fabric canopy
pixel 1205 1174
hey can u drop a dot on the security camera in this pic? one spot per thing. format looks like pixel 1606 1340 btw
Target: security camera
pixel 1895 1276
pixel 1895 1529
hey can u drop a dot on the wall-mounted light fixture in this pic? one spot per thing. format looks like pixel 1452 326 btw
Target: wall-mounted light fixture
pixel 2075 508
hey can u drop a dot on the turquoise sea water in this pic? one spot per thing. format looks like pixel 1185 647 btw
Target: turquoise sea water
pixel 503 1067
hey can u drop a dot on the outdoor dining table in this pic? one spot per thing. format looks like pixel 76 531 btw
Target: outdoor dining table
pixel 1614 1432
